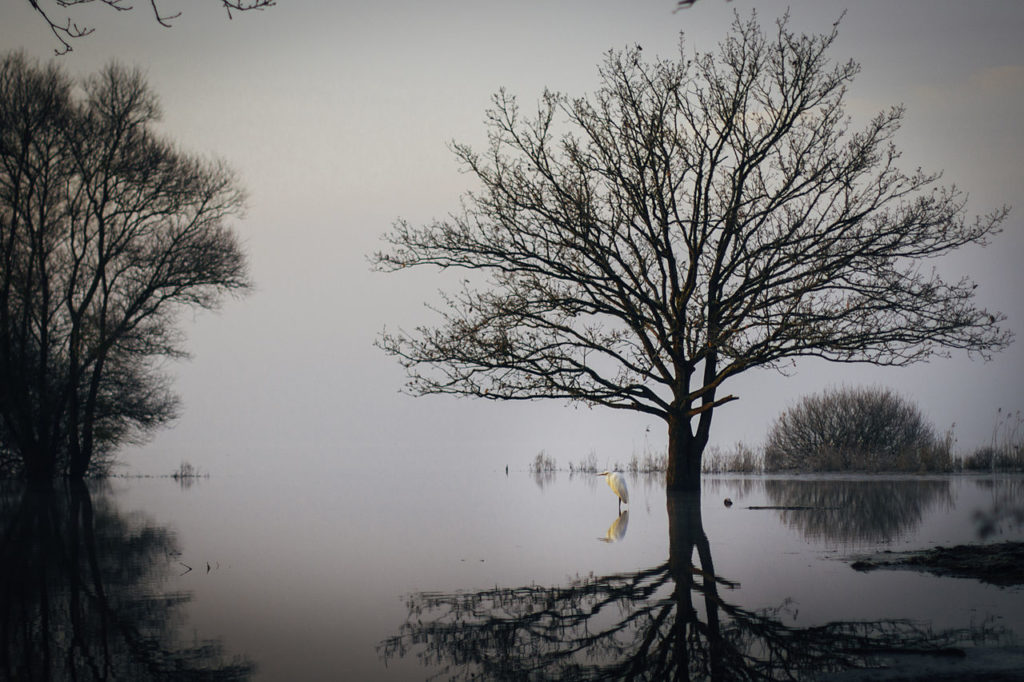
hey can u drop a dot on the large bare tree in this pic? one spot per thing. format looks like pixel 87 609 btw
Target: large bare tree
pixel 690 220
pixel 106 232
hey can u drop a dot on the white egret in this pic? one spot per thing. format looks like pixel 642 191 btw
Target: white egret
pixel 617 482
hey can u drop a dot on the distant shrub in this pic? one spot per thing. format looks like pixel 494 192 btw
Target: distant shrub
pixel 743 459
pixel 185 470
pixel 1003 455
pixel 543 462
pixel 982 459
pixel 855 429
pixel 649 463
pixel 187 475
pixel 585 466
pixel 1006 452
pixel 939 457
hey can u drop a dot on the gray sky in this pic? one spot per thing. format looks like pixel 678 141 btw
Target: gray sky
pixel 336 116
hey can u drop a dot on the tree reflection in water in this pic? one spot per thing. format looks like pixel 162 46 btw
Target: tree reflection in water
pixel 1006 510
pixel 672 621
pixel 857 510
pixel 80 599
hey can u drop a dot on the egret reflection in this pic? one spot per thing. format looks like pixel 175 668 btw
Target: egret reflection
pixel 673 621
pixel 617 530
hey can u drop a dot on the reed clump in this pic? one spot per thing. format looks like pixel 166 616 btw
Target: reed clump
pixel 543 463
pixel 1005 452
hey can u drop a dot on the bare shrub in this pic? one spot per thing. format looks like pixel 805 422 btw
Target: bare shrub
pixel 742 459
pixel 982 459
pixel 543 462
pixel 1005 452
pixel 585 466
pixel 863 429
pixel 648 463
pixel 185 470
pixel 746 460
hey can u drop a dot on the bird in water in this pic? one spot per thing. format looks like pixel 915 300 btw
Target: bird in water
pixel 617 482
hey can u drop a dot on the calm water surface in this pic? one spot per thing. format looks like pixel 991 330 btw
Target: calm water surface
pixel 397 574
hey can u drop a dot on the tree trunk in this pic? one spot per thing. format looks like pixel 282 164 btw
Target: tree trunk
pixel 79 445
pixel 79 463
pixel 83 428
pixel 40 465
pixel 684 456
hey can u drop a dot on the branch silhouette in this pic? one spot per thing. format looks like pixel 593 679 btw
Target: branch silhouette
pixel 65 30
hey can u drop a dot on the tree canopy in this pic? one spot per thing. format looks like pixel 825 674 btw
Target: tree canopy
pixel 691 219
pixel 106 232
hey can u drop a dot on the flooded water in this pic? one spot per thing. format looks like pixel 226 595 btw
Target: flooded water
pixel 391 574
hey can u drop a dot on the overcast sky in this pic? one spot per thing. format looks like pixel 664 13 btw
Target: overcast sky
pixel 337 116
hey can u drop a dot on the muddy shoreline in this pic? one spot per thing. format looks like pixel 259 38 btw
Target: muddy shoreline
pixel 999 564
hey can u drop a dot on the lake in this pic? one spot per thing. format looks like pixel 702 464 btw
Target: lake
pixel 392 573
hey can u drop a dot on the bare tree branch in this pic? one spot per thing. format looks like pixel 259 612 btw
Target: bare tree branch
pixel 66 30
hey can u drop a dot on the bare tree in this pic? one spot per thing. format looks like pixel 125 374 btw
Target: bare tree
pixel 690 220
pixel 65 30
pixel 106 232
